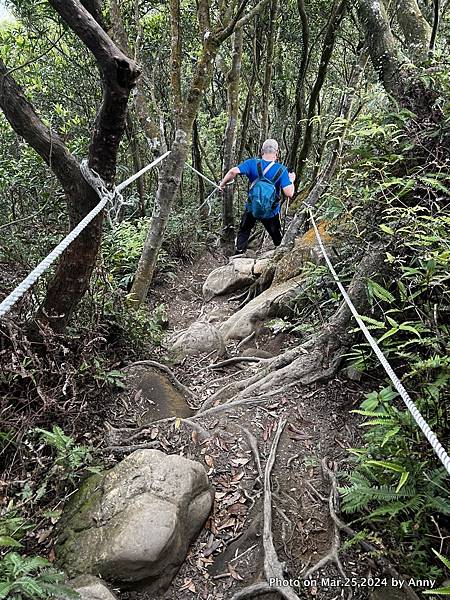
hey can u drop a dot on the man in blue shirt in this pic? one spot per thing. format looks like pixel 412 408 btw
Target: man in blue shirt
pixel 284 181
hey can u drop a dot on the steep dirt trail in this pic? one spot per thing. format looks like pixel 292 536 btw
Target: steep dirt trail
pixel 228 555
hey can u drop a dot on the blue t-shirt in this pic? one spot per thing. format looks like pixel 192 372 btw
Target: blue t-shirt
pixel 249 168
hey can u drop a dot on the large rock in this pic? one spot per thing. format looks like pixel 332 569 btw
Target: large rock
pixel 271 303
pixel 133 524
pixel 91 588
pixel 200 338
pixel 237 274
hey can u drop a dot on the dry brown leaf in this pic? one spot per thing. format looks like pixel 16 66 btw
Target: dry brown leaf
pixel 209 460
pixel 240 462
pixel 234 574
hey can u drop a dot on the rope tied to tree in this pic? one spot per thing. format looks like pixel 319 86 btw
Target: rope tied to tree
pixel 114 197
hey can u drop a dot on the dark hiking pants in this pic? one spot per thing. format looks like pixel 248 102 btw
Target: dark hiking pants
pixel 248 221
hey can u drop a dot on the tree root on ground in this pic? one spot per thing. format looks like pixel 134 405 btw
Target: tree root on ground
pixel 333 554
pixel 232 361
pixel 319 358
pixel 273 568
pixel 339 526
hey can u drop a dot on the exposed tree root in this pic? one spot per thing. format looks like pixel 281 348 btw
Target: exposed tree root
pixel 333 554
pixel 339 525
pixel 232 361
pixel 273 568
pixel 320 357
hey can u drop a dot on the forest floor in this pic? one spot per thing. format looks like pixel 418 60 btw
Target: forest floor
pixel 228 555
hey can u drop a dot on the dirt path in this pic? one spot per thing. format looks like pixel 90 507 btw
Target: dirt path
pixel 228 555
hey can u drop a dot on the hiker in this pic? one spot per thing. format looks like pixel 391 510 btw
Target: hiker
pixel 267 179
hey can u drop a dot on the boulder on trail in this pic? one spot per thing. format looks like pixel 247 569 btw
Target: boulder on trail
pixel 271 303
pixel 91 588
pixel 132 525
pixel 200 338
pixel 238 273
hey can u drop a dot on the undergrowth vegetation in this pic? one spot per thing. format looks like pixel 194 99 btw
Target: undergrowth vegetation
pixel 398 174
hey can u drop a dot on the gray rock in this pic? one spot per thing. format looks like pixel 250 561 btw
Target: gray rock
pixel 91 588
pixel 133 524
pixel 199 338
pixel 268 304
pixel 237 274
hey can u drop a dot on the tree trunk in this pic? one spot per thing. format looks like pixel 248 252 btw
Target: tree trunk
pixel 265 99
pixel 325 177
pixel 300 88
pixel 150 129
pixel 416 29
pixel 394 69
pixel 336 16
pixel 171 176
pixel 197 156
pixel 175 53
pixel 138 163
pixel 234 77
pixel 74 269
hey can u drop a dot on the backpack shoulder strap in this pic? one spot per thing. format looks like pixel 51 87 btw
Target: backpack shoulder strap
pixel 260 169
pixel 278 174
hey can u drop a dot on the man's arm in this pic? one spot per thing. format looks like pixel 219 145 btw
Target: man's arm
pixel 288 190
pixel 229 177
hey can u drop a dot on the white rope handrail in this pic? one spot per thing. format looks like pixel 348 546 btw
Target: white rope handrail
pixel 105 196
pixel 426 429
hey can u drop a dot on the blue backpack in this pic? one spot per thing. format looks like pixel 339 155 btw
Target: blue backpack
pixel 262 197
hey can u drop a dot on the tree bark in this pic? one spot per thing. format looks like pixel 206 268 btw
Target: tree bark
pixel 416 29
pixel 197 156
pixel 300 88
pixel 395 70
pixel 268 71
pixel 325 177
pixel 336 16
pixel 150 129
pixel 73 271
pixel 175 53
pixel 171 174
pixel 234 77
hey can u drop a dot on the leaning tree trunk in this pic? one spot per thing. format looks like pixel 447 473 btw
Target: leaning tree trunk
pixel 416 29
pixel 396 72
pixel 171 175
pixel 119 74
pixel 234 77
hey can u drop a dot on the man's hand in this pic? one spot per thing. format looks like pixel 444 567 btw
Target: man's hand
pixel 292 176
pixel 221 186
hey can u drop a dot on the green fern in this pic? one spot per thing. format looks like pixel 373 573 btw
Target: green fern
pixel 32 578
